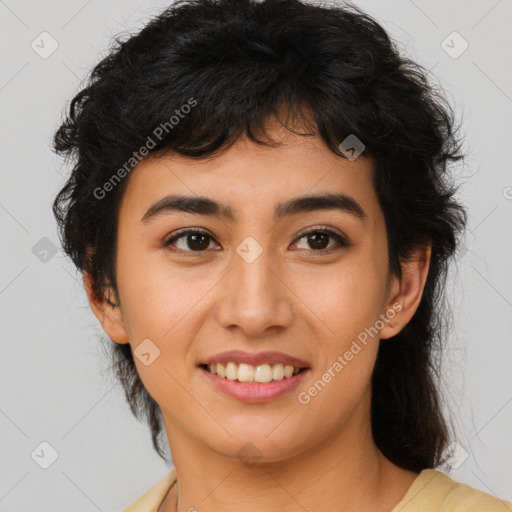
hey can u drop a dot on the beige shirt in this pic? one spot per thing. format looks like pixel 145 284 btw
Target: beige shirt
pixel 432 491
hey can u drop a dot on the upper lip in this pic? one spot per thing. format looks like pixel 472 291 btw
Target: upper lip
pixel 239 356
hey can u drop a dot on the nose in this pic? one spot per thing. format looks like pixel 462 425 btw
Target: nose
pixel 255 297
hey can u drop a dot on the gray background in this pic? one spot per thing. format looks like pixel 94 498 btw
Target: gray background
pixel 53 384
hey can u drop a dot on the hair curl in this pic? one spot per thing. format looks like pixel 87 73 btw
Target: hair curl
pixel 337 71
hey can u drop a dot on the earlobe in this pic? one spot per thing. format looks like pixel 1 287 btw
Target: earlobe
pixel 106 311
pixel 406 292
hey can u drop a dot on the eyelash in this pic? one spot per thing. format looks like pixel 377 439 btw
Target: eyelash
pixel 324 230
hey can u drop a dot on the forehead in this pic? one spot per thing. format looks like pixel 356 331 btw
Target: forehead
pixel 250 179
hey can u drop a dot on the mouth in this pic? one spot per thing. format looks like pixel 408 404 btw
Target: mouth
pixel 253 367
pixel 253 383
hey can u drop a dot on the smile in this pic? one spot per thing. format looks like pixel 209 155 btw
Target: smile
pixel 254 391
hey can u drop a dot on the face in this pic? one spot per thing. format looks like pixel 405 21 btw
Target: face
pixel 255 277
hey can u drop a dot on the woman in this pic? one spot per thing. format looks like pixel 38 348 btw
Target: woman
pixel 262 211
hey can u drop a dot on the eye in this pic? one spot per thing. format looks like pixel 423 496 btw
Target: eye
pixel 194 240
pixel 318 239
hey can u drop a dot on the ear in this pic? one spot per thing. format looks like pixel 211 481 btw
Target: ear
pixel 107 312
pixel 405 293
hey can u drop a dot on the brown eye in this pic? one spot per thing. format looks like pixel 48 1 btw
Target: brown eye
pixel 193 240
pixel 198 242
pixel 318 240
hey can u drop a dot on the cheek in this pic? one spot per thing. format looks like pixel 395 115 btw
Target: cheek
pixel 347 297
pixel 155 295
pixel 348 301
pixel 161 304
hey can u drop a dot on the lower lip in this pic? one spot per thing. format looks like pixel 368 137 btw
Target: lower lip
pixel 256 392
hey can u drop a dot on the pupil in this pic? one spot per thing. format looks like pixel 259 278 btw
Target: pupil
pixel 195 239
pixel 313 239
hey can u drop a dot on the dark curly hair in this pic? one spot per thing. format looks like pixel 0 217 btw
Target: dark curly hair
pixel 241 63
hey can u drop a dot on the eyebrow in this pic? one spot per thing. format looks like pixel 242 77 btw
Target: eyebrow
pixel 200 205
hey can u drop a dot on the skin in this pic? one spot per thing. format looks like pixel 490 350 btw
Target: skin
pixel 294 298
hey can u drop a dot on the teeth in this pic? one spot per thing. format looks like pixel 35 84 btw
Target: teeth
pixel 278 372
pixel 231 371
pixel 262 373
pixel 245 373
pixel 248 373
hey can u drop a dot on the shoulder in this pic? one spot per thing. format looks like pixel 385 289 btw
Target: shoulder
pixel 433 491
pixel 151 499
